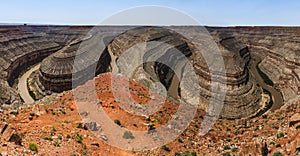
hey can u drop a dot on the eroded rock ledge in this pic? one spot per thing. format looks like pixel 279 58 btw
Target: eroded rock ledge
pixel 243 96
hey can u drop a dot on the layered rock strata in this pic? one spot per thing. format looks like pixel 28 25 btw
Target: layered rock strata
pixel 278 47
pixel 243 95
pixel 78 61
pixel 23 46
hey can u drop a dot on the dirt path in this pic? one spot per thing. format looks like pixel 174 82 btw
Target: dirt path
pixel 22 85
pixel 276 95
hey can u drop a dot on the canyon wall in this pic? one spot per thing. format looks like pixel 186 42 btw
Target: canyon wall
pixel 278 47
pixel 23 46
pixel 243 95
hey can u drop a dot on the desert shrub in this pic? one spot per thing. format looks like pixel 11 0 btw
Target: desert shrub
pixel 277 154
pixel 166 148
pixel 234 149
pixel 226 154
pixel 85 152
pixel 187 153
pixel 33 146
pixel 118 122
pixel 79 125
pixel 180 140
pixel 226 147
pixel 280 135
pixel 56 144
pixel 78 138
pixel 128 135
pixel 48 138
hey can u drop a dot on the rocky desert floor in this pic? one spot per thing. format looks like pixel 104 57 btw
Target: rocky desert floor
pixel 53 126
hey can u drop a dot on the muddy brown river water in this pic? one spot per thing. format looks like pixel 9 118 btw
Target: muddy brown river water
pixel 276 95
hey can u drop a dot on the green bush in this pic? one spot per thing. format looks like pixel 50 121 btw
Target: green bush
pixel 118 122
pixel 33 146
pixel 277 154
pixel 78 138
pixel 48 138
pixel 62 111
pixel 180 140
pixel 60 137
pixel 234 149
pixel 128 135
pixel 226 147
pixel 187 153
pixel 280 135
pixel 226 154
pixel 166 148
pixel 79 125
pixel 56 144
pixel 85 152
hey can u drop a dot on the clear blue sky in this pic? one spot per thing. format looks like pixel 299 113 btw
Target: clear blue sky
pixel 207 12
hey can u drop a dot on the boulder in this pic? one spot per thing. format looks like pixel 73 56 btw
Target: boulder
pixel 294 119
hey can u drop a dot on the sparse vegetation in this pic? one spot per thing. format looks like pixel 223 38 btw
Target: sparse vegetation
pixel 79 125
pixel 48 138
pixel 60 137
pixel 187 153
pixel 78 138
pixel 118 122
pixel 33 146
pixel 62 111
pixel 280 135
pixel 56 144
pixel 85 152
pixel 234 149
pixel 277 154
pixel 226 154
pixel 128 135
pixel 166 148
pixel 226 147
pixel 180 140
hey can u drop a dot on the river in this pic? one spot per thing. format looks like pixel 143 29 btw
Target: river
pixel 22 85
pixel 276 95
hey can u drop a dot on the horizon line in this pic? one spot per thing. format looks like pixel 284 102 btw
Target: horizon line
pixel 205 25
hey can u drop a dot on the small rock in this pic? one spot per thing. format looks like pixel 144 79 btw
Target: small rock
pixel 294 119
pixel 14 112
pixel 92 126
pixel 103 137
pixel 95 144
pixel 84 113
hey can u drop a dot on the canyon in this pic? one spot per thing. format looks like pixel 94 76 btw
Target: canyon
pixel 49 63
pixel 23 46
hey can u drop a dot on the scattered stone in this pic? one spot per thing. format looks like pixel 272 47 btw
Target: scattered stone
pixel 294 119
pixel 95 144
pixel 103 137
pixel 10 134
pixel 92 126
